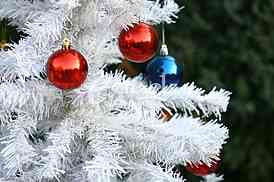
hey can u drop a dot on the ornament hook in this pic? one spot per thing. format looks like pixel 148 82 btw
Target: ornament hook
pixel 164 49
pixel 66 44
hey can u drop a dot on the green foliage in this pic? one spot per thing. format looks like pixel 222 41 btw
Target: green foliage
pixel 230 44
pixel 9 33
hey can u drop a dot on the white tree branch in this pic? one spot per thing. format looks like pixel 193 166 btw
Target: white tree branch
pixel 145 172
pixel 33 97
pixel 17 152
pixel 115 92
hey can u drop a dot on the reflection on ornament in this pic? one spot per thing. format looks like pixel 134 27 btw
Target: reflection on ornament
pixel 166 114
pixel 67 68
pixel 4 45
pixel 139 43
pixel 203 169
pixel 132 69
pixel 165 71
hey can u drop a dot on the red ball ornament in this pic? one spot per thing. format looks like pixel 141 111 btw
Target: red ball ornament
pixel 67 68
pixel 203 169
pixel 139 43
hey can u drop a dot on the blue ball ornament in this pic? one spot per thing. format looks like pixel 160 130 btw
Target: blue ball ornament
pixel 164 70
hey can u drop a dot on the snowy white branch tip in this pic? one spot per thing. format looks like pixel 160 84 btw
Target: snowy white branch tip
pixel 213 178
pixel 180 141
pixel 145 172
pixel 114 91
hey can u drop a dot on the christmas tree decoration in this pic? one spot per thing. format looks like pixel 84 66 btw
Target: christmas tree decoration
pixel 67 68
pixel 203 169
pixel 166 114
pixel 139 43
pixel 132 69
pixel 4 45
pixel 4 35
pixel 163 69
pixel 9 34
pixel 110 130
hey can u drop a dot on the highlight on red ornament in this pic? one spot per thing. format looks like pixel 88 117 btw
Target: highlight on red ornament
pixel 67 68
pixel 203 169
pixel 139 43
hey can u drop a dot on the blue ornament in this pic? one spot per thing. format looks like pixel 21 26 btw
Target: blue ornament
pixel 165 71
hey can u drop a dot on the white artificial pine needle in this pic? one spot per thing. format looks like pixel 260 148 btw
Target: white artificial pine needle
pixel 212 178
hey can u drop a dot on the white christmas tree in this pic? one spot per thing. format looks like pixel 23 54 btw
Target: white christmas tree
pixel 108 130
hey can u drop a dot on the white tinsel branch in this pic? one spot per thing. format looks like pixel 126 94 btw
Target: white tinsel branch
pixel 115 92
pixel 191 98
pixel 159 12
pixel 103 169
pixel 17 152
pixel 181 140
pixel 21 12
pixel 212 178
pixel 54 159
pixel 109 156
pixel 145 172
pixel 34 97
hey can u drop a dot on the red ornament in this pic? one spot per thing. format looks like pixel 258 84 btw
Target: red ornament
pixel 139 43
pixel 203 169
pixel 67 68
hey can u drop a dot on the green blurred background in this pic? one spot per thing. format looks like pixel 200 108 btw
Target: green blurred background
pixel 230 44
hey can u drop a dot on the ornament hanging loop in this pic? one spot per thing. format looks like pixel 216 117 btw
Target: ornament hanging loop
pixel 164 49
pixel 67 38
pixel 66 44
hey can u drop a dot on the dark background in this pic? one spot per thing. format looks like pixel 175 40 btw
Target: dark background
pixel 230 44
